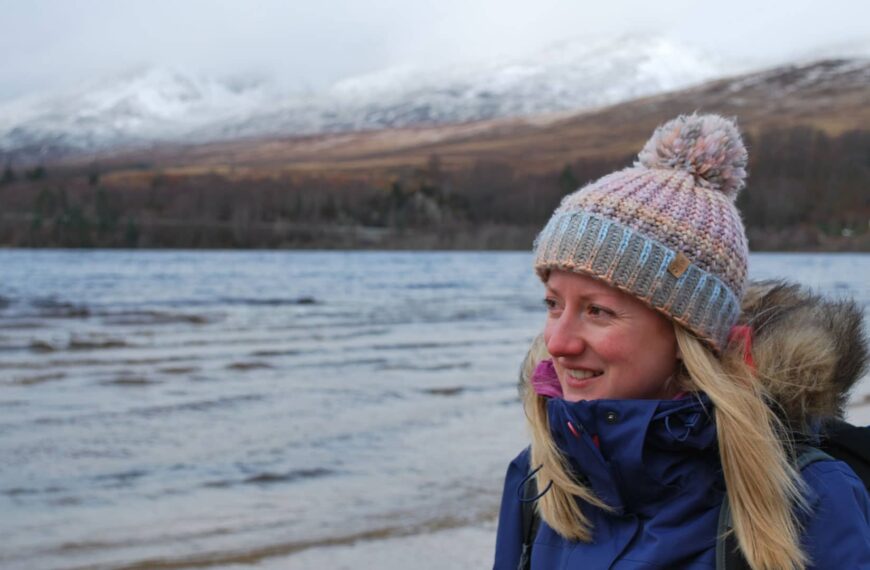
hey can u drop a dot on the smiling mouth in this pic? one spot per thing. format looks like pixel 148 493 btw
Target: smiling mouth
pixel 583 374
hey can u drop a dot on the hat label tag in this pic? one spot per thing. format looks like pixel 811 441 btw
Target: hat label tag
pixel 679 265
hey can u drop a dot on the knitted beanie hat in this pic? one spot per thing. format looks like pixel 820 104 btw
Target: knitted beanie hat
pixel 664 230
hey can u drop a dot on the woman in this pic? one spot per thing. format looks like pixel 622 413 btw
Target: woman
pixel 650 408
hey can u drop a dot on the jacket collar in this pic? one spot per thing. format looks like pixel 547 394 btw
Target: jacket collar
pixel 634 454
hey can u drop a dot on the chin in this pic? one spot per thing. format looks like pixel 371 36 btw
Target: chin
pixel 591 389
pixel 573 395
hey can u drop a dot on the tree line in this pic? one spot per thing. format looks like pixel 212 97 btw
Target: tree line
pixel 806 190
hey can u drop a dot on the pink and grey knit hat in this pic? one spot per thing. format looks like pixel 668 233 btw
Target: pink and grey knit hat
pixel 666 229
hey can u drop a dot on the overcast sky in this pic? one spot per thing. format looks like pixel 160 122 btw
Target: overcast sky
pixel 46 45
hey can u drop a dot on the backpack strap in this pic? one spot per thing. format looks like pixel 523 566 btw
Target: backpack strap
pixel 531 522
pixel 851 444
pixel 808 454
pixel 728 554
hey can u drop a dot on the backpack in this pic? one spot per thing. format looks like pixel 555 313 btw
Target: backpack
pixel 841 441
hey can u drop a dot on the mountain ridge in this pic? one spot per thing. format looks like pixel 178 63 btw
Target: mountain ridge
pixel 166 106
pixel 829 95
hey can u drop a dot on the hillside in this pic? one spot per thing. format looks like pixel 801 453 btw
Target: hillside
pixel 159 106
pixel 828 95
pixel 476 184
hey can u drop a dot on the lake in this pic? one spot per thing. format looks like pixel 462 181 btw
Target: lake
pixel 181 409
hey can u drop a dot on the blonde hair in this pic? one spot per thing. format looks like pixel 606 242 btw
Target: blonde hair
pixel 763 487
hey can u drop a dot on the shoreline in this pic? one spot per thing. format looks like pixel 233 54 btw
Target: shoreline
pixel 460 548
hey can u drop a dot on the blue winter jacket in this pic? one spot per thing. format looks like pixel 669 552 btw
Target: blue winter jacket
pixel 657 464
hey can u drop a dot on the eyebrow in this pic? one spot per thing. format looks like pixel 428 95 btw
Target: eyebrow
pixel 594 296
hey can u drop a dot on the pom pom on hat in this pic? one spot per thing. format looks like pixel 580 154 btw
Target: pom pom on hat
pixel 707 146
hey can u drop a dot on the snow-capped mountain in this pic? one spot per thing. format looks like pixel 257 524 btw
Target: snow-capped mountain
pixel 144 106
pixel 159 105
pixel 568 76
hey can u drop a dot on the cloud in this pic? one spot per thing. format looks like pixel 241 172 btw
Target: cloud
pixel 49 44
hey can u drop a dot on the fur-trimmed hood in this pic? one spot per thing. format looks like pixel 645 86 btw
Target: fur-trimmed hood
pixel 809 351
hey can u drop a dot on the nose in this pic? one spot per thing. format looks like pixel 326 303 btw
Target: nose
pixel 564 336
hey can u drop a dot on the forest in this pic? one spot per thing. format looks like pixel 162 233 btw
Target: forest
pixel 807 190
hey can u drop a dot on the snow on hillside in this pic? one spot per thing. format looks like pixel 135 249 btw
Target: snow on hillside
pixel 140 107
pixel 568 76
pixel 159 105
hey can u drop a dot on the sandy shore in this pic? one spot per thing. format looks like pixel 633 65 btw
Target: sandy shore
pixel 464 548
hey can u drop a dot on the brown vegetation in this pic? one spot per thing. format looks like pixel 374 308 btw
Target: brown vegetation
pixel 481 185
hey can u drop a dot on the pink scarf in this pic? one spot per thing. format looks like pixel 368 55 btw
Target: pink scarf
pixel 545 381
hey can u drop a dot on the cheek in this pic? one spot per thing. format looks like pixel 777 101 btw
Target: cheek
pixel 650 355
pixel 639 349
pixel 614 347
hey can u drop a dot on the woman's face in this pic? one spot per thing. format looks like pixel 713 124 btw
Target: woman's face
pixel 605 343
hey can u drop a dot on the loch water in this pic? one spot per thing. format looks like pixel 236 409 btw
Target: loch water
pixel 187 409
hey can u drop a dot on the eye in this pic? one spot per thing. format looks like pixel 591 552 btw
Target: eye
pixel 596 311
pixel 553 305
